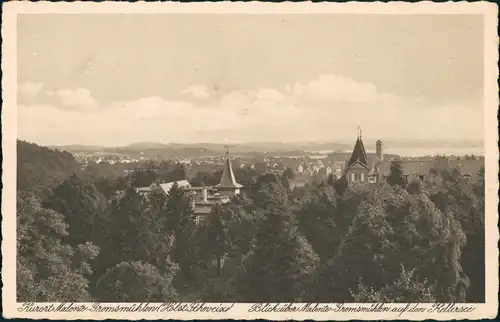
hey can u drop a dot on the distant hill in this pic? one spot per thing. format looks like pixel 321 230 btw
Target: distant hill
pixel 200 149
pixel 145 146
pixel 179 150
pixel 39 169
pixel 78 147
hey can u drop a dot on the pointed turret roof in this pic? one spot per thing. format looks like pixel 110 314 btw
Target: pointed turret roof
pixel 358 154
pixel 228 180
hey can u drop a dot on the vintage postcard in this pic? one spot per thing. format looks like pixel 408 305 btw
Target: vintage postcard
pixel 278 161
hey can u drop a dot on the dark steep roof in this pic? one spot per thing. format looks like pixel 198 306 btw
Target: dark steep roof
pixel 358 154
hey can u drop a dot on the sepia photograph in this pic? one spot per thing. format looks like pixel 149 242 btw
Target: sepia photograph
pixel 230 157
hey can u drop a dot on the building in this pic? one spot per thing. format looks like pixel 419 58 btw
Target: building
pixel 357 167
pixel 202 198
pixel 361 169
pixel 162 187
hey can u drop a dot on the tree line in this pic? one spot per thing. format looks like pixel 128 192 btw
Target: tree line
pixel 417 241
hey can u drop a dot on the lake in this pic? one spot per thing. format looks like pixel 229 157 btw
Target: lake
pixel 420 152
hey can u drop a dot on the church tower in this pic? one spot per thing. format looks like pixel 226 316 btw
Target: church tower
pixel 228 185
pixel 357 167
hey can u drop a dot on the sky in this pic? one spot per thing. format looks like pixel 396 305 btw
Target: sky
pixel 187 78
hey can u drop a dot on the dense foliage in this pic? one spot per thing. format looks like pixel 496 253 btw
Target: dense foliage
pixel 418 241
pixel 39 169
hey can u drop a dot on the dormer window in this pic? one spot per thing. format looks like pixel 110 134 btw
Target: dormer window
pixel 199 219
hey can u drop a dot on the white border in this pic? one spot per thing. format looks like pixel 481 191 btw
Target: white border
pixel 241 311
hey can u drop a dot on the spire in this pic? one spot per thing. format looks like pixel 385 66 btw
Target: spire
pixel 228 180
pixel 358 153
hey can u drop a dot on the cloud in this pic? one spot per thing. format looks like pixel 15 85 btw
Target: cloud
pixel 78 98
pixel 197 91
pixel 339 89
pixel 270 94
pixel 324 108
pixel 155 119
pixel 30 89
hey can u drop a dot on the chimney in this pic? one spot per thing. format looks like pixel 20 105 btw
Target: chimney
pixel 380 150
pixel 204 194
pixel 193 202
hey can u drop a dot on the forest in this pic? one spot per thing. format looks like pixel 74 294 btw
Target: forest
pixel 417 241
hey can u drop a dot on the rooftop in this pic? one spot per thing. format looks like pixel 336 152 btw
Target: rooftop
pixel 228 180
pixel 166 187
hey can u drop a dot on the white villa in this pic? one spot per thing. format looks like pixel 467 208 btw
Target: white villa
pixel 203 198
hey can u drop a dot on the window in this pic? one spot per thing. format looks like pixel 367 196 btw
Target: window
pixel 357 177
pixel 421 178
pixel 199 219
pixel 372 179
